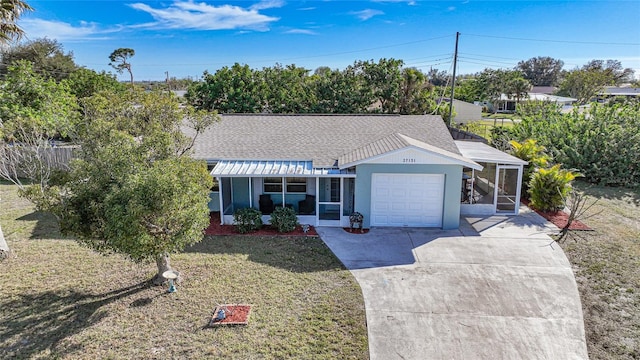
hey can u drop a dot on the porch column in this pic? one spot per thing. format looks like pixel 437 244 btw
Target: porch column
pixel 283 189
pixel 317 204
pixel 250 192
pixel 221 198
pixel 471 192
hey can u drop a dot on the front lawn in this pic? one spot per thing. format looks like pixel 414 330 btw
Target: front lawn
pixel 60 300
pixel 606 263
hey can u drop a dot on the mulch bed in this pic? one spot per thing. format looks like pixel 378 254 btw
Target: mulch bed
pixel 216 229
pixel 234 315
pixel 356 230
pixel 559 218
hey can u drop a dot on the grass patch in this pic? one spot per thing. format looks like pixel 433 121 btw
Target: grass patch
pixel 484 127
pixel 606 263
pixel 61 300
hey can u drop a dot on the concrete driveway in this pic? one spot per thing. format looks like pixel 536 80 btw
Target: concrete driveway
pixel 494 289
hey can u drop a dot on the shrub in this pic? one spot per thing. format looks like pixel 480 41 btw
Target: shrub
pixel 549 188
pixel 603 142
pixel 533 153
pixel 247 220
pixel 284 219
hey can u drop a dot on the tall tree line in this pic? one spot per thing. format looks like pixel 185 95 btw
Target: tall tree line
pixel 385 86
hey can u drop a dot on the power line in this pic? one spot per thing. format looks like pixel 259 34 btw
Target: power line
pixel 556 41
pixel 492 61
pixel 490 56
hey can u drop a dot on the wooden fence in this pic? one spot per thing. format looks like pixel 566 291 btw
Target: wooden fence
pixel 25 160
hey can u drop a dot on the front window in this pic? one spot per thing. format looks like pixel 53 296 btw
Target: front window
pixel 292 185
pixel 296 185
pixel 272 185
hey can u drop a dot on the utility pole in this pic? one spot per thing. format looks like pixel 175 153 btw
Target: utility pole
pixel 167 80
pixel 453 80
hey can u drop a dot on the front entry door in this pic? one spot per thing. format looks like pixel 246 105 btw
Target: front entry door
pixel 507 195
pixel 329 201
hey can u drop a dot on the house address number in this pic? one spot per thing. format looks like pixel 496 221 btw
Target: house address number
pixel 408 160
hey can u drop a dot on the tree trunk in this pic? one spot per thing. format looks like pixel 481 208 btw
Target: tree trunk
pixel 4 248
pixel 162 261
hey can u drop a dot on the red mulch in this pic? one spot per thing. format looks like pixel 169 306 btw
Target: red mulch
pixel 235 315
pixel 356 231
pixel 216 229
pixel 559 218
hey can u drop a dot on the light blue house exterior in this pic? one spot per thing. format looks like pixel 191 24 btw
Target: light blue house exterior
pixel 403 171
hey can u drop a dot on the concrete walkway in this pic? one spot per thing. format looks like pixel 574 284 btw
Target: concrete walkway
pixel 494 289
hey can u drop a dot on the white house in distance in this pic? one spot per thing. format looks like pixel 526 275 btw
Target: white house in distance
pixel 507 104
pixel 397 170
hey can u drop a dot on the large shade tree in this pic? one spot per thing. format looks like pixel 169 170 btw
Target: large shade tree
pixel 34 111
pixel 134 189
pixel 541 70
pixel 46 55
pixel 584 83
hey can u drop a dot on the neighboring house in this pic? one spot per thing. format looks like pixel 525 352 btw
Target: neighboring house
pixel 464 111
pixel 396 170
pixel 543 89
pixel 507 104
pixel 614 91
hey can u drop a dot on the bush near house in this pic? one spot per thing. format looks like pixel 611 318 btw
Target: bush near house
pixel 284 219
pixel 549 188
pixel 533 153
pixel 247 220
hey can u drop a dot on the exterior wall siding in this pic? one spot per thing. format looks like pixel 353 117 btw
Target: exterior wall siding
pixel 452 185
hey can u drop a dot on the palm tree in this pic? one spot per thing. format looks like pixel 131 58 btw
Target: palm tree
pixel 519 87
pixel 10 11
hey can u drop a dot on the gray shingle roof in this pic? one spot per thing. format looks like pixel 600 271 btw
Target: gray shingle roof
pixel 397 142
pixel 320 138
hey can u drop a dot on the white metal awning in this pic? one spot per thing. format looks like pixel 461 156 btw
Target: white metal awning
pixel 264 168
pixel 481 152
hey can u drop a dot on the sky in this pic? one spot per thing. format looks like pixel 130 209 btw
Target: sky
pixel 185 38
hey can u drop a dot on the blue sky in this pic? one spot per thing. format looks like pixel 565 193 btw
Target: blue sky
pixel 185 38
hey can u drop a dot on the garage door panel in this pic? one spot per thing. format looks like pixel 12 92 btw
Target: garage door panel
pixel 407 200
pixel 399 193
pixel 380 207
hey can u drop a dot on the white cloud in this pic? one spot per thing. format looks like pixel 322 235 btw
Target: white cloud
pixel 267 4
pixel 366 14
pixel 62 31
pixel 202 16
pixel 301 31
pixel 409 2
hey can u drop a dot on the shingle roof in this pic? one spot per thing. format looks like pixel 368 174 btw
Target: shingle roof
pixel 320 138
pixel 397 142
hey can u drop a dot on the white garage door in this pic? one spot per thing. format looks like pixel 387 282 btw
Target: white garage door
pixel 407 200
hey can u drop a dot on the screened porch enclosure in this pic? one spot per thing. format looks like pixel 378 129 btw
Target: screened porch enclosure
pixel 316 200
pixel 318 196
pixel 496 188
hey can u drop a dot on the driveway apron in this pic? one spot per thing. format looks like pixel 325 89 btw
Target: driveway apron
pixel 496 288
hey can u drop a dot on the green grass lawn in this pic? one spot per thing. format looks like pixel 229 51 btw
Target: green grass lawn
pixel 606 263
pixel 60 300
